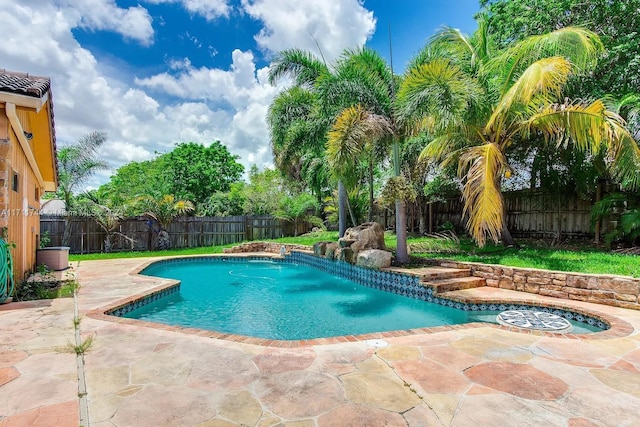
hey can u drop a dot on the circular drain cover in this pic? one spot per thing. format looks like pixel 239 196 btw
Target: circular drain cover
pixel 535 320
pixel 377 343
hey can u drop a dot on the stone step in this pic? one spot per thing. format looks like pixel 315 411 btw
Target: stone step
pixel 455 284
pixel 429 274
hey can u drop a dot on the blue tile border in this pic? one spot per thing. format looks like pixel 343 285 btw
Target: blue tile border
pixel 398 283
pixel 410 286
pixel 141 302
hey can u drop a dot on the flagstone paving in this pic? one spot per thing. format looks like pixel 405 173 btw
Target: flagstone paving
pixel 156 376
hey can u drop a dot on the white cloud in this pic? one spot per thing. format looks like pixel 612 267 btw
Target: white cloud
pixel 205 104
pixel 239 86
pixel 209 9
pixel 132 23
pixel 334 25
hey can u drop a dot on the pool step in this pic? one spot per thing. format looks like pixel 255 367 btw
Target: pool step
pixel 428 274
pixel 455 284
pixel 444 279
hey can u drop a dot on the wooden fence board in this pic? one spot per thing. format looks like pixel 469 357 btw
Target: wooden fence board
pixel 88 237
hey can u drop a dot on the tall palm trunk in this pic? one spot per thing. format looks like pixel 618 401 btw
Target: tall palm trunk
pixel 342 209
pixel 402 254
pixel 370 216
pixel 66 234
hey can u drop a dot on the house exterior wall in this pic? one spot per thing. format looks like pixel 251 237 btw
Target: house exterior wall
pixel 19 200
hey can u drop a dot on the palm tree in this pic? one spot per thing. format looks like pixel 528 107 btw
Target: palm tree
pixel 478 102
pixel 162 211
pixel 367 127
pixel 76 164
pixel 299 120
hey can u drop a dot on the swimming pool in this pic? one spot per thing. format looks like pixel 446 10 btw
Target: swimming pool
pixel 284 300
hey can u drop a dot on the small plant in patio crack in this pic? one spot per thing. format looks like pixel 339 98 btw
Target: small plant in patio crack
pixel 76 322
pixel 412 390
pixel 82 348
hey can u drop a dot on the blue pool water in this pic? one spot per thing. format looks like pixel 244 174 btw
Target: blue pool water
pixel 286 301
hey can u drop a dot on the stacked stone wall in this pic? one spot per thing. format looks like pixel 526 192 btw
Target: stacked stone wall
pixel 270 247
pixel 619 291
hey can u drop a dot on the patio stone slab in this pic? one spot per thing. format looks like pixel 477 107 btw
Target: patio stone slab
pixel 273 361
pixel 432 377
pixel 517 379
pixel 626 382
pixel 299 394
pixel 10 358
pixel 359 415
pixel 162 405
pixel 376 385
pixel 240 407
pixel 59 414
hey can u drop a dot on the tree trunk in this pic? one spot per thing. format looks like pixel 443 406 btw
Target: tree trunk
pixel 422 227
pixel 370 216
pixel 66 234
pixel 402 254
pixel 507 239
pixel 342 209
pixel 351 214
pixel 430 217
pixel 599 221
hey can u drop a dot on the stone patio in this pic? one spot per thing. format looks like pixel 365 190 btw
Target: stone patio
pixel 158 376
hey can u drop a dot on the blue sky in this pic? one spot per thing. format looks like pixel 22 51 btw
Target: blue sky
pixel 152 73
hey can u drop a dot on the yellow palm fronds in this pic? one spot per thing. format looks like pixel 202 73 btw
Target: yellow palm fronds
pixel 353 131
pixel 543 80
pixel 481 168
pixel 586 126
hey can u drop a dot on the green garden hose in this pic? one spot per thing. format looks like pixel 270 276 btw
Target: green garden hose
pixel 6 271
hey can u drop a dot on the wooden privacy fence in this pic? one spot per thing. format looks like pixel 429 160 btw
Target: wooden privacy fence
pixel 88 237
pixel 530 214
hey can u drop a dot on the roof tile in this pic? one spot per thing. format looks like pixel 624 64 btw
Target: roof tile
pixel 24 84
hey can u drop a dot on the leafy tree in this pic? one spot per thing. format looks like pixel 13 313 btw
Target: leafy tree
pixel 624 211
pixel 76 164
pixel 225 204
pixel 263 193
pixel 196 172
pixel 617 22
pixel 107 218
pixel 137 179
pixel 296 209
pixel 478 102
pixel 357 203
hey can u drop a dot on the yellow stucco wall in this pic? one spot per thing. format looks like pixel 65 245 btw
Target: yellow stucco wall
pixel 20 191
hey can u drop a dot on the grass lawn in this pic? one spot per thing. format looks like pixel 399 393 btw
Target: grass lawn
pixel 530 255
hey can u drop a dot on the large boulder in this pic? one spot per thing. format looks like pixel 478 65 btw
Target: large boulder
pixel 319 248
pixel 374 258
pixel 369 235
pixel 330 250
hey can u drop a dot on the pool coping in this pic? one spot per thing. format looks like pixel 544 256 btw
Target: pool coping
pixel 617 326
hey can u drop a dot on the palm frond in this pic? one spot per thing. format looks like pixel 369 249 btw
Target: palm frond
pixel 480 168
pixel 353 130
pixel 440 148
pixel 300 65
pixel 438 89
pixel 592 128
pixel 578 45
pixel 542 80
